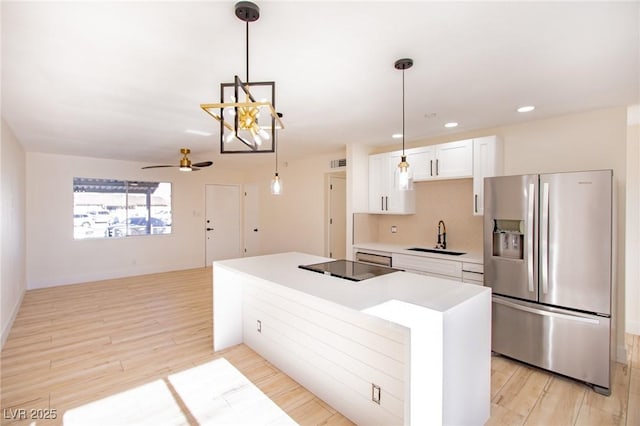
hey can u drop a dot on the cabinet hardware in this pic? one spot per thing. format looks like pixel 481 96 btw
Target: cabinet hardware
pixel 437 167
pixel 475 203
pixel 259 326
pixel 430 167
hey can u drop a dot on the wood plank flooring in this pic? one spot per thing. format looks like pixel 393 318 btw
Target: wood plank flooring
pixel 73 345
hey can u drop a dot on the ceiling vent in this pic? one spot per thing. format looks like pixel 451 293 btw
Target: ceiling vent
pixel 336 164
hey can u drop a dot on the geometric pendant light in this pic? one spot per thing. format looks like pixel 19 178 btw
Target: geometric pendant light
pixel 246 111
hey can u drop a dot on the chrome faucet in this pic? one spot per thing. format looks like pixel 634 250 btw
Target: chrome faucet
pixel 442 236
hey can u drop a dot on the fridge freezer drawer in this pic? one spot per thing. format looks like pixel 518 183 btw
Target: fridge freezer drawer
pixel 565 342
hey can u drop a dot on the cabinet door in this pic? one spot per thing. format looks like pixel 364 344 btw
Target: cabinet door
pixel 451 269
pixel 422 162
pixel 487 162
pixel 378 182
pixel 454 159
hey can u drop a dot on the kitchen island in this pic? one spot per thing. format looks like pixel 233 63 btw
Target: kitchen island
pixel 400 348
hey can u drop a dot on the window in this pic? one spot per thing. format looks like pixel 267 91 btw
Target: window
pixel 108 208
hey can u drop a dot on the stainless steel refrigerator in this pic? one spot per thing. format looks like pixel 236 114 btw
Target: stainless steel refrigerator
pixel 548 260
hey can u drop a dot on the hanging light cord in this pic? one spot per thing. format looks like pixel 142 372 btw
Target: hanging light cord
pixel 247 43
pixel 403 111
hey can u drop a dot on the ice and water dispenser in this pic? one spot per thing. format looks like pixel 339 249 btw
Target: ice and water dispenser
pixel 508 238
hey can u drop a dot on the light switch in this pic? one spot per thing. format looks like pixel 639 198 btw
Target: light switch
pixel 394 229
pixel 375 393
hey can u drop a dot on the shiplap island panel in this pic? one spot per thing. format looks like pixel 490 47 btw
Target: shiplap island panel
pixel 418 345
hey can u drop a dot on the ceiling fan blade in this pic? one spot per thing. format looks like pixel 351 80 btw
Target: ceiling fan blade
pixel 155 167
pixel 195 169
pixel 202 164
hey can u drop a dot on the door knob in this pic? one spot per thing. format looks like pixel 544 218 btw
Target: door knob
pixel 255 229
pixel 209 229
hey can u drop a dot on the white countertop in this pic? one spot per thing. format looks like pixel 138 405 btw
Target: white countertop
pixel 398 248
pixel 434 293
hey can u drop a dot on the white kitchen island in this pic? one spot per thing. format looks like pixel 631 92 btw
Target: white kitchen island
pixel 396 349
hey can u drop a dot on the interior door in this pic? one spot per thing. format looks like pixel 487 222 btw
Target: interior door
pixel 337 217
pixel 222 222
pixel 251 220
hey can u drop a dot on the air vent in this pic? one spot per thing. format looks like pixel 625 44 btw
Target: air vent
pixel 335 164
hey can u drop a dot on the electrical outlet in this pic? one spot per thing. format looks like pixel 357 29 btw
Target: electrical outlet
pixel 394 229
pixel 376 392
pixel 259 326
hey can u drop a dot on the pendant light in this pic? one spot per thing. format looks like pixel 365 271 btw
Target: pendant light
pixel 404 177
pixel 276 182
pixel 246 111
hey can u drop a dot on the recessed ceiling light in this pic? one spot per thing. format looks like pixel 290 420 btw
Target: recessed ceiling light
pixel 397 135
pixel 451 124
pixel 527 108
pixel 198 132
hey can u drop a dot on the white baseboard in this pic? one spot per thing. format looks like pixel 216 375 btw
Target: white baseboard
pixel 633 327
pixel 7 327
pixel 621 354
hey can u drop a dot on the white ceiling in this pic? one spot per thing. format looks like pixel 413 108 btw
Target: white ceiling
pixel 124 80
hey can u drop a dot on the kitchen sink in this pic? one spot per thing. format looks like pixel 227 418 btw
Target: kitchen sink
pixel 440 251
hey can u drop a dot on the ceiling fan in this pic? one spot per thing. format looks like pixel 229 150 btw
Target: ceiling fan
pixel 185 163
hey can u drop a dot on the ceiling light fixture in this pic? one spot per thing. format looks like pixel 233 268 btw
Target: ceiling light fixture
pixel 246 124
pixel 396 135
pixel 404 178
pixel 451 125
pixel 276 182
pixel 527 108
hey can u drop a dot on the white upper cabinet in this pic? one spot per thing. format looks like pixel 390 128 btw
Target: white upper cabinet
pixel 384 198
pixel 452 160
pixel 421 162
pixel 477 158
pixel 487 162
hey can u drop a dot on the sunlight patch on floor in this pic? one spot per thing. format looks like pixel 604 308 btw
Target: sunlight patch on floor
pixel 211 393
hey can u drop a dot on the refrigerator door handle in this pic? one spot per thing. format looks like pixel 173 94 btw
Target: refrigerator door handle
pixel 571 317
pixel 530 213
pixel 544 238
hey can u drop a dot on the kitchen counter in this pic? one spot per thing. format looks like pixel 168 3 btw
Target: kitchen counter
pixel 418 345
pixel 470 257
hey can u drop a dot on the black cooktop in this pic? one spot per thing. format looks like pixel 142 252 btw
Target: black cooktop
pixel 349 270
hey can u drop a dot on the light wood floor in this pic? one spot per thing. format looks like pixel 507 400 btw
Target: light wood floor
pixel 72 345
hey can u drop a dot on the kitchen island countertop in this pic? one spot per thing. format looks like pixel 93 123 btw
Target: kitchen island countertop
pixel 438 294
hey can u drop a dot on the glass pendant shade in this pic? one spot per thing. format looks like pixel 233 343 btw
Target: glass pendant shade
pixel 276 185
pixel 404 176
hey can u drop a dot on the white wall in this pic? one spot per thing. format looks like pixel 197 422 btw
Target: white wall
pixel 633 221
pixel 54 257
pixel 294 220
pixel 12 229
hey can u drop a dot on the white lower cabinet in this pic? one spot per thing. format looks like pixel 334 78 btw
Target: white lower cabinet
pixel 472 273
pixel 467 272
pixel 428 266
